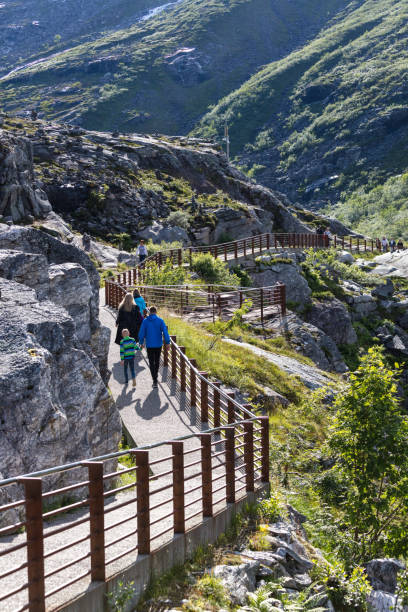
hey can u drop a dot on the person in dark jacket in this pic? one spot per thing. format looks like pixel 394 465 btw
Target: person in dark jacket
pixel 152 331
pixel 129 317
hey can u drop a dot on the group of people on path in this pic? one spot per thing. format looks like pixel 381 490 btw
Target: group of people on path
pixel 138 326
pixel 391 245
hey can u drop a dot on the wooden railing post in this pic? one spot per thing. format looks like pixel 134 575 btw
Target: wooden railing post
pixel 35 543
pixel 173 357
pixel 178 487
pixel 193 383
pixel 96 519
pixel 204 397
pixel 262 305
pixel 216 404
pixel 230 464
pixel 231 407
pixel 206 468
pixel 180 257
pixel 282 291
pixel 236 250
pixel 143 501
pixel 106 293
pixel 265 448
pixel 165 355
pixel 268 241
pixel 182 370
pixel 249 455
pixel 190 255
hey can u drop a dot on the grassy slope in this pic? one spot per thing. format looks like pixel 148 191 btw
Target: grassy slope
pixel 233 39
pixel 357 125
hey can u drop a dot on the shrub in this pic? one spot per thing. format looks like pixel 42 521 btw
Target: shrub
pixel 270 509
pixel 180 218
pixel 213 270
pixel 166 275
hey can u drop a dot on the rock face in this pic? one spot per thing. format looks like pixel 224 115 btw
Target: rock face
pixel 383 573
pixel 332 317
pixel 111 184
pixel 20 196
pixel 55 404
pixel 297 289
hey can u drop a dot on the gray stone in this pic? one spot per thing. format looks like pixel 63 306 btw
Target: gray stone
pixel 383 602
pixel 297 289
pixel 158 233
pixel 345 257
pixel 382 573
pixel 28 268
pixel 385 290
pixel 237 222
pixel 333 318
pixel 238 579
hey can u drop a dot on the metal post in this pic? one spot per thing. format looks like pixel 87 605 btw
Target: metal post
pixel 231 407
pixel 35 543
pixel 204 397
pixel 225 252
pixel 182 370
pixel 143 501
pixel 193 383
pixel 217 404
pixel 262 305
pixel 173 357
pixel 265 448
pixel 96 519
pixel 206 469
pixel 282 289
pixel 165 355
pixel 268 240
pixel 106 293
pixel 178 487
pixel 249 455
pixel 230 464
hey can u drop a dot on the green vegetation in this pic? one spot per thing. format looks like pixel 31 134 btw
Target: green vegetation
pixel 339 99
pixel 236 366
pixel 213 271
pixel 378 211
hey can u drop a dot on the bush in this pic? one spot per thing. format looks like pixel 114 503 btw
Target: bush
pixel 270 509
pixel 181 218
pixel 213 270
pixel 166 275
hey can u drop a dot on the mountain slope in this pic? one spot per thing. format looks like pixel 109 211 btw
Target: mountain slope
pixel 330 117
pixel 162 74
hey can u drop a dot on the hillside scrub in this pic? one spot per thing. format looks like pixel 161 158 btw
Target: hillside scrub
pixel 235 366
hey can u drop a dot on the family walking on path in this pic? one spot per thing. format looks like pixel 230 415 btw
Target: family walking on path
pixel 132 327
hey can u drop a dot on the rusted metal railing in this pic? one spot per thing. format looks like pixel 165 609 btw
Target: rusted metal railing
pixel 101 520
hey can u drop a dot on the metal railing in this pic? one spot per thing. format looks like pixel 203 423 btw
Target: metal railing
pixel 211 301
pixel 109 521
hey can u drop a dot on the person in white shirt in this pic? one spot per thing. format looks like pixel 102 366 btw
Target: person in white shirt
pixel 384 244
pixel 141 251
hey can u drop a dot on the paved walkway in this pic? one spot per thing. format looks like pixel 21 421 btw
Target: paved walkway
pixel 150 415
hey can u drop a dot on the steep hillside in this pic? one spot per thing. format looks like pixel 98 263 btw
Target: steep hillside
pixel 330 117
pixel 163 73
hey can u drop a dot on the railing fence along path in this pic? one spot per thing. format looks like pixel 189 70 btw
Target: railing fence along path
pixel 55 540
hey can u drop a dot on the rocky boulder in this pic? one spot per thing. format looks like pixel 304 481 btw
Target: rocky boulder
pixel 20 196
pixel 158 233
pixel 55 406
pixel 332 317
pixel 238 579
pixel 383 574
pixel 297 289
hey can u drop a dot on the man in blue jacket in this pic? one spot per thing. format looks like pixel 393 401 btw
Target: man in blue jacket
pixel 152 330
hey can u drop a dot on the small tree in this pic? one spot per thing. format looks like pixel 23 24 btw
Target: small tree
pixel 370 438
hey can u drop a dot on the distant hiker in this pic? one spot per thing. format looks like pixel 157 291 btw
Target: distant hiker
pixel 129 318
pixel 139 301
pixel 86 241
pixel 393 245
pixel 400 245
pixel 142 251
pixel 384 244
pixel 328 235
pixel 128 348
pixel 34 115
pixel 152 331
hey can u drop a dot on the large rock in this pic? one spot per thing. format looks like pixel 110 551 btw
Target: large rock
pixel 332 317
pixel 384 291
pixel 55 406
pixel 297 289
pixel 345 257
pixel 158 233
pixel 20 197
pixel 380 601
pixel 238 579
pixel 28 268
pixel 383 573
pixel 237 223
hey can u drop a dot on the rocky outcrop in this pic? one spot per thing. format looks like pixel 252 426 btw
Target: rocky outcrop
pixel 55 405
pixel 297 289
pixel 332 317
pixel 112 184
pixel 20 196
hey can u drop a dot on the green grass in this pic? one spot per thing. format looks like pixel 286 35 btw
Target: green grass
pixel 235 366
